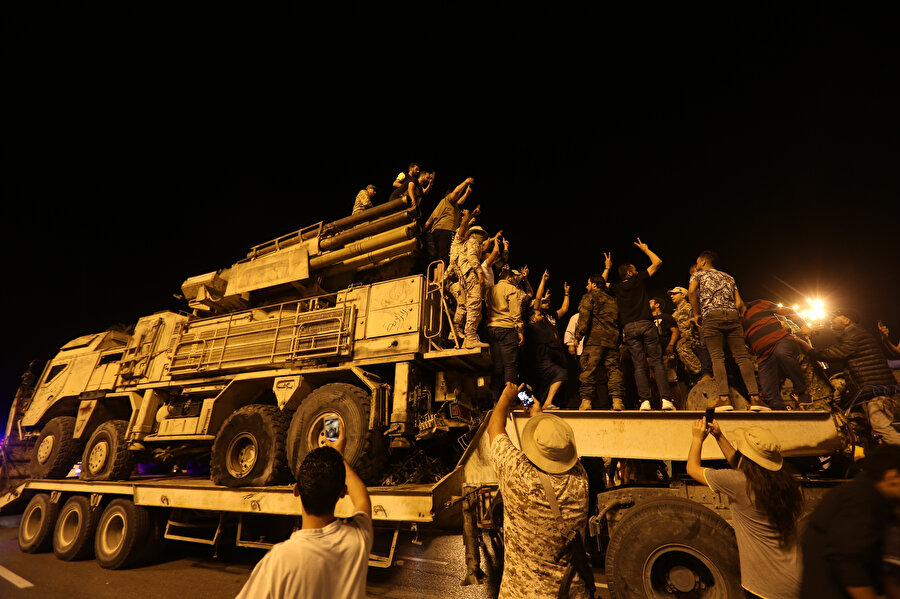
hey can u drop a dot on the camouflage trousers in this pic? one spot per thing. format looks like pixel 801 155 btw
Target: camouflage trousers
pixel 685 350
pixel 468 305
pixel 600 366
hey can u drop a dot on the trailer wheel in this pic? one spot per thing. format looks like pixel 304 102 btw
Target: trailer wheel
pixel 55 451
pixel 249 450
pixel 106 456
pixel 675 548
pixel 36 527
pixel 122 534
pixel 73 535
pixel 365 451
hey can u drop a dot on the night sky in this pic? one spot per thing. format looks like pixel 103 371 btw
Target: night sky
pixel 136 156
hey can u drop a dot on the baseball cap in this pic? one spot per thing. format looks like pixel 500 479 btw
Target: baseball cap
pixel 677 290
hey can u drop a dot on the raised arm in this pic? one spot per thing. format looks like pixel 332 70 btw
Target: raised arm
pixel 505 405
pixel 565 305
pixel 462 191
pixel 356 488
pixel 655 262
pixel 727 448
pixel 698 435
pixel 886 338
pixel 607 264
pixel 539 295
pixel 495 251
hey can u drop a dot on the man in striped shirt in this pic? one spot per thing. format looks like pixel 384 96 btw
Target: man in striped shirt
pixel 777 351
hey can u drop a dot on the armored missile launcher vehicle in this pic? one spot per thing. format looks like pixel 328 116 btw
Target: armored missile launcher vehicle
pixel 325 321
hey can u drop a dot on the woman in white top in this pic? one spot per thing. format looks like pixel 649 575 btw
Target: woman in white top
pixel 766 504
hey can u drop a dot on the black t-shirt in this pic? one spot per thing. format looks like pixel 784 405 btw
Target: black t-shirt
pixel 664 324
pixel 632 298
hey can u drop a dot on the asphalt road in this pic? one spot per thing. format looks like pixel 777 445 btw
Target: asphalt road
pixel 431 568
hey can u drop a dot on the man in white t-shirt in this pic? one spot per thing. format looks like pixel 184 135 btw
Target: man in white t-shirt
pixel 328 557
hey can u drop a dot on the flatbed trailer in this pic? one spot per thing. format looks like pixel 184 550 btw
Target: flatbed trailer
pixel 467 499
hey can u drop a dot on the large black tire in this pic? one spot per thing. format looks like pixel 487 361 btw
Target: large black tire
pixel 105 454
pixel 122 535
pixel 672 547
pixel 36 527
pixel 55 451
pixel 249 450
pixel 73 536
pixel 366 450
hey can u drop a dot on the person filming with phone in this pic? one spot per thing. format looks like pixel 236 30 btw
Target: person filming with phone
pixel 545 500
pixel 328 557
pixel 766 504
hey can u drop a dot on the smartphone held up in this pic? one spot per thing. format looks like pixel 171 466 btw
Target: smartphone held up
pixel 332 428
pixel 526 396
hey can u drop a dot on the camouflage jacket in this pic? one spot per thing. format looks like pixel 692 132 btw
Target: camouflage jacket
pixel 682 315
pixel 470 256
pixel 597 319
pixel 532 534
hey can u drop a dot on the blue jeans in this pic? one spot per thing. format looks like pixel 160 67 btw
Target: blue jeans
pixel 785 358
pixel 722 326
pixel 643 341
pixel 505 355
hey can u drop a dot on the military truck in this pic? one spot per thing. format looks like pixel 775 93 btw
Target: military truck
pixel 322 321
pixel 328 320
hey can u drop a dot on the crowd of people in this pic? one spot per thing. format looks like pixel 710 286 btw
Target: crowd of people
pixel 621 338
pixel 622 348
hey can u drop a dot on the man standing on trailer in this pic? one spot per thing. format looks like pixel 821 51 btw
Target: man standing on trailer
pixel 328 557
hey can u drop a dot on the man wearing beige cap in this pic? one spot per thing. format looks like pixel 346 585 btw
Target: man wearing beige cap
pixel 545 498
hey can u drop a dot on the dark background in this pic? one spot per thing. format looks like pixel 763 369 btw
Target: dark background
pixel 140 150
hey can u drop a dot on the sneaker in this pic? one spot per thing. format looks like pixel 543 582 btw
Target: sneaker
pixel 723 405
pixel 758 405
pixel 667 406
pixel 585 405
pixel 618 405
pixel 645 406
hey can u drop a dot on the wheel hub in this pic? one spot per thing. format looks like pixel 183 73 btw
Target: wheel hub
pixel 97 457
pixel 681 571
pixel 241 455
pixel 44 449
pixel 682 579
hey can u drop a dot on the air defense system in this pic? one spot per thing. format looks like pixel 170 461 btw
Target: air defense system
pixel 323 321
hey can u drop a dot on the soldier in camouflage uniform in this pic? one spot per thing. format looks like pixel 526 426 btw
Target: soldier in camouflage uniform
pixel 471 280
pixel 533 533
pixel 690 348
pixel 597 325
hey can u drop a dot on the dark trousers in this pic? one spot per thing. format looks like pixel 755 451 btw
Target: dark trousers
pixel 505 355
pixel 600 368
pixel 785 358
pixel 703 356
pixel 642 339
pixel 722 326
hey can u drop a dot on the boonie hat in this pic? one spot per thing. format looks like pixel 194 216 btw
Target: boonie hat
pixel 677 290
pixel 478 230
pixel 760 446
pixel 549 443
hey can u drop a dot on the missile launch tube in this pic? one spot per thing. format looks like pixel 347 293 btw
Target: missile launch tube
pixel 379 226
pixel 366 215
pixel 374 257
pixel 366 245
